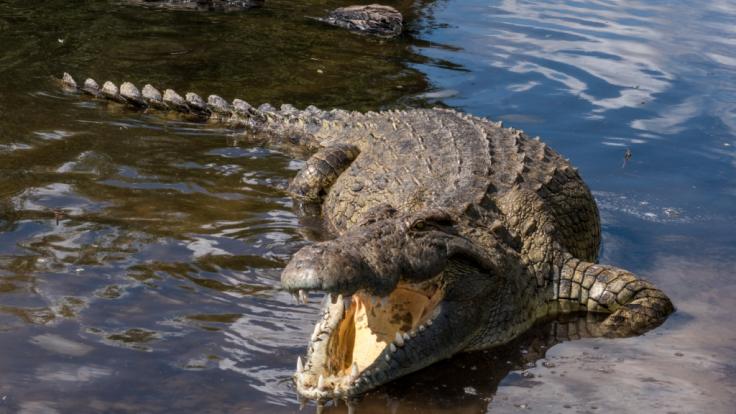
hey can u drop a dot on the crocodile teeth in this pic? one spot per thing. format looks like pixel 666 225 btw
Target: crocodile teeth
pixel 421 328
pixel 321 382
pixel 406 337
pixel 392 347
pixel 429 322
pixel 303 298
pixel 354 371
pixel 299 365
pixel 399 340
pixel 68 80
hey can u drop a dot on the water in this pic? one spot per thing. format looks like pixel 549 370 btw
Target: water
pixel 140 256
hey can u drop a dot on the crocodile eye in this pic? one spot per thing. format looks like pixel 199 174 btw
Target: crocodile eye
pixel 418 225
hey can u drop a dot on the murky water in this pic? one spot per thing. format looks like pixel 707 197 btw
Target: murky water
pixel 140 256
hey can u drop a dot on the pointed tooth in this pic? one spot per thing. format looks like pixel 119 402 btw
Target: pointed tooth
pixel 392 347
pixel 340 307
pixel 429 322
pixel 354 371
pixel 387 357
pixel 421 328
pixel 321 382
pixel 68 80
pixel 399 340
pixel 406 336
pixel 299 365
pixel 303 296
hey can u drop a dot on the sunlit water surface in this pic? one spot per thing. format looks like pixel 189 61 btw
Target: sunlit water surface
pixel 140 256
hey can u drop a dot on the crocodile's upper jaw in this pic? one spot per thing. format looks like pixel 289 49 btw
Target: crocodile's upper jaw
pixel 364 341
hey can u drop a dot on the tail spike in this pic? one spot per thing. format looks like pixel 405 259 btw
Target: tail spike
pixel 131 94
pixel 91 87
pixel 242 107
pixel 175 101
pixel 266 107
pixel 288 109
pixel 111 91
pixel 196 102
pixel 68 81
pixel 217 104
pixel 152 96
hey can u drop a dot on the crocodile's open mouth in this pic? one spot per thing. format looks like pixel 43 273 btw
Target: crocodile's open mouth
pixel 361 341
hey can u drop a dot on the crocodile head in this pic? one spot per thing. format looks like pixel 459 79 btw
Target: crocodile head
pixel 392 305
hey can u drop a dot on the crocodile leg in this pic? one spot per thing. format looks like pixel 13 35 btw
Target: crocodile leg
pixel 320 171
pixel 634 305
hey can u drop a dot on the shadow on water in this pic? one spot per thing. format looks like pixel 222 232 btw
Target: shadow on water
pixel 140 255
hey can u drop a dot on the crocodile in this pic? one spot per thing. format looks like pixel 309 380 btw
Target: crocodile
pixel 447 233
pixel 372 19
pixel 224 5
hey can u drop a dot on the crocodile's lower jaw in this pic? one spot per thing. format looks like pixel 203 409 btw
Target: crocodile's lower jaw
pixel 358 343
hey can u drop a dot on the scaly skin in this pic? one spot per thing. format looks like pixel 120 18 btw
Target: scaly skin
pixel 500 224
pixel 372 19
pixel 227 5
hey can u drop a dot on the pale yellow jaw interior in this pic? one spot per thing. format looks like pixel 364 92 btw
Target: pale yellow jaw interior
pixel 368 328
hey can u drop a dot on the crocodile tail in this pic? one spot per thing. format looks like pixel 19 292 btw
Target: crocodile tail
pixel 237 114
pixel 634 305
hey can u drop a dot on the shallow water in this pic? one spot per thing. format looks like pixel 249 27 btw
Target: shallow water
pixel 140 256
